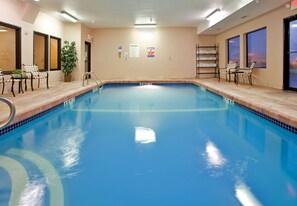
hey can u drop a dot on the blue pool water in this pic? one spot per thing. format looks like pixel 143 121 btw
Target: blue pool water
pixel 131 145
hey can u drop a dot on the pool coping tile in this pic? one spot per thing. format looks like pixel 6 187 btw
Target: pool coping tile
pixel 260 109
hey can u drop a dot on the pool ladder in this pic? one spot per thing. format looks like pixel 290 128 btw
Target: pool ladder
pixel 88 75
pixel 12 111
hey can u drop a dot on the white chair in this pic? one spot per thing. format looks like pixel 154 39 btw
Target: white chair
pixel 32 72
pixel 248 73
pixel 227 71
pixel 2 81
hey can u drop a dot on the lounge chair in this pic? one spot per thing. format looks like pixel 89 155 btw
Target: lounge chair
pixel 227 71
pixel 32 73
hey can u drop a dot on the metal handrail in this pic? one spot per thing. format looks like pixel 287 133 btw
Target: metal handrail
pixel 96 77
pixel 12 111
pixel 88 76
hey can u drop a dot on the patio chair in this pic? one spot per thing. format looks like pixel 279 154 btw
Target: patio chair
pixel 248 73
pixel 227 71
pixel 6 79
pixel 32 73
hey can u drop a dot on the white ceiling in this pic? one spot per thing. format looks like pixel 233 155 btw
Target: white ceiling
pixel 166 13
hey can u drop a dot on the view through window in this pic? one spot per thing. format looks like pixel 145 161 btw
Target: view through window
pixel 234 50
pixel 55 51
pixel 40 50
pixel 256 48
pixel 10 51
pixel 293 54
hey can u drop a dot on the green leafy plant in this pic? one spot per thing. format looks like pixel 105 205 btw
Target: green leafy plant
pixel 19 72
pixel 68 57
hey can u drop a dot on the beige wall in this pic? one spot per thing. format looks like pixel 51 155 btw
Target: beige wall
pixel 72 32
pixel 174 53
pixel 206 39
pixel 272 76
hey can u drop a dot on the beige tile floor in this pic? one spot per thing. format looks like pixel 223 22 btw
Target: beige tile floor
pixel 279 104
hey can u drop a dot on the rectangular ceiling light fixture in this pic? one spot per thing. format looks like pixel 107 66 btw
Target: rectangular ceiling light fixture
pixel 69 16
pixel 213 14
pixel 150 25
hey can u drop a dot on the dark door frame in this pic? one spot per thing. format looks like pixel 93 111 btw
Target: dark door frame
pixel 287 52
pixel 88 60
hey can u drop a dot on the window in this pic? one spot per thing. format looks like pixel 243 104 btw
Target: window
pixel 10 47
pixel 256 48
pixel 40 57
pixel 55 53
pixel 234 50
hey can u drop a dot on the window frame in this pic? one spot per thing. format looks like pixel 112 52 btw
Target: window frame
pixel 228 57
pixel 58 53
pixel 246 47
pixel 286 55
pixel 45 49
pixel 18 46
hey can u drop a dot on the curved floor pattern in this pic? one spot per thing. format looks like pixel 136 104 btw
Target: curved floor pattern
pixel 19 178
pixel 54 181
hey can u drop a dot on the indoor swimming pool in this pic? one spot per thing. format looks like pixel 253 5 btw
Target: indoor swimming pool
pixel 149 144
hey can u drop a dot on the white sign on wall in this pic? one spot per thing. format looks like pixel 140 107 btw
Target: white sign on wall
pixel 134 50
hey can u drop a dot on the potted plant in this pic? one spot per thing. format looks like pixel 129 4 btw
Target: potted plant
pixel 19 72
pixel 69 59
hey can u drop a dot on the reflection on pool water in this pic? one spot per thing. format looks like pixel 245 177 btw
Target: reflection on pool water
pixel 144 135
pixel 213 155
pixel 149 145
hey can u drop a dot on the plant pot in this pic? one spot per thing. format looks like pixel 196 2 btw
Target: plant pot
pixel 67 78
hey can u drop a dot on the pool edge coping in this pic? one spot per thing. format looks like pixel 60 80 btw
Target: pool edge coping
pixel 270 114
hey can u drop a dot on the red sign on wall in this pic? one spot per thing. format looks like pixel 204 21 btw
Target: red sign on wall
pixel 293 4
pixel 150 52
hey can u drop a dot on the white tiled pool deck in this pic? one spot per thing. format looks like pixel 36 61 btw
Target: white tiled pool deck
pixel 278 104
